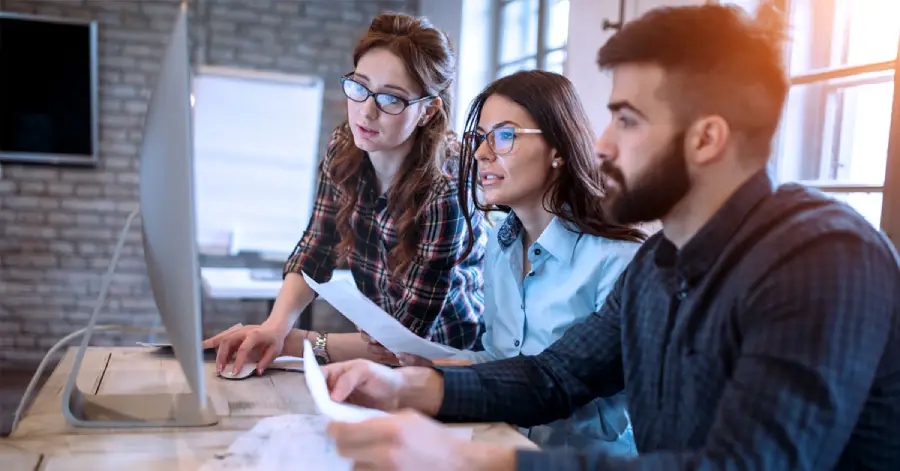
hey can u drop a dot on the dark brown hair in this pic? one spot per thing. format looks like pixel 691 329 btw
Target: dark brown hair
pixel 575 195
pixel 717 59
pixel 431 63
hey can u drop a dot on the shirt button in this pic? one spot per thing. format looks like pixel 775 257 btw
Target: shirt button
pixel 523 306
pixel 537 251
pixel 682 294
pixel 531 274
pixel 516 343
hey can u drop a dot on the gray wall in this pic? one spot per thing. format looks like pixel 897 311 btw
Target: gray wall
pixel 58 226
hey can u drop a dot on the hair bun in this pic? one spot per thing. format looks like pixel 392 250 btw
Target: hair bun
pixel 399 24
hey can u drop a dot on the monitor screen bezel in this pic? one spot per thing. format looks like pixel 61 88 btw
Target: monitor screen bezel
pixel 86 160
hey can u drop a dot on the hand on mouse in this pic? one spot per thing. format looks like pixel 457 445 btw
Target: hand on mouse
pixel 259 343
pixel 246 371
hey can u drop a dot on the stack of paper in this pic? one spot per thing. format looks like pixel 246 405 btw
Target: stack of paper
pixel 349 301
pixel 282 443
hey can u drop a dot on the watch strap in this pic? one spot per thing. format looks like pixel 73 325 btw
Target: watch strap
pixel 320 348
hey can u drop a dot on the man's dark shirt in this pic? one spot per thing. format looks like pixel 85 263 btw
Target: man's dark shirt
pixel 770 341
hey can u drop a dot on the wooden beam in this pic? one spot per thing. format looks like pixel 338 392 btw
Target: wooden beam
pixel 890 207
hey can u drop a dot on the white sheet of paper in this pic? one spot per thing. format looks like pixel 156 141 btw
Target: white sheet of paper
pixel 381 326
pixel 285 442
pixel 282 442
pixel 318 389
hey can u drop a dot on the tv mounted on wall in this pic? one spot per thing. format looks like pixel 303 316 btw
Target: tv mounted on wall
pixel 48 90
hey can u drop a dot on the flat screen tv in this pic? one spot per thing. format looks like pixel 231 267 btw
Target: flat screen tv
pixel 48 90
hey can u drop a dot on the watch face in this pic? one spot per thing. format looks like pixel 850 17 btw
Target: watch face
pixel 321 359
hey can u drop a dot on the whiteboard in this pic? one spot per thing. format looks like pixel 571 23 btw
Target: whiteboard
pixel 256 138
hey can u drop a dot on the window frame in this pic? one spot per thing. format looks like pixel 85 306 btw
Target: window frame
pixel 890 189
pixel 542 51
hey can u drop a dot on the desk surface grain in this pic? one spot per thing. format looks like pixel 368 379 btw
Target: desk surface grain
pixel 44 440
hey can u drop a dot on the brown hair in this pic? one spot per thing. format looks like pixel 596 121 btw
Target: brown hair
pixel 575 195
pixel 717 60
pixel 431 63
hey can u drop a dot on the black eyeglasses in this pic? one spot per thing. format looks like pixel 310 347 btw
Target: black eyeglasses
pixel 500 139
pixel 390 104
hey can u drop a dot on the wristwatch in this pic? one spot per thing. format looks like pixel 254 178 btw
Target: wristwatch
pixel 319 348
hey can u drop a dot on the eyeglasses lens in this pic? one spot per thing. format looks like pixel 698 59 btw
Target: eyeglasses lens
pixel 501 140
pixel 358 93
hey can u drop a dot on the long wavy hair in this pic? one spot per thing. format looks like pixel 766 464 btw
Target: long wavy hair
pixel 575 194
pixel 431 63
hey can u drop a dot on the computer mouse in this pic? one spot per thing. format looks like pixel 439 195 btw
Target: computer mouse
pixel 249 369
pixel 282 363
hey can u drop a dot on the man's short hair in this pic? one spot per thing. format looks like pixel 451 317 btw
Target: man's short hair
pixel 717 60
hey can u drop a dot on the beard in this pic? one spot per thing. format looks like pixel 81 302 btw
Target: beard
pixel 650 196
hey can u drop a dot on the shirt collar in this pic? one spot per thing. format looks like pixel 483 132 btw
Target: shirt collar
pixel 695 258
pixel 558 239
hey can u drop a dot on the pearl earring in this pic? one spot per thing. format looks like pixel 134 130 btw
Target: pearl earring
pixel 555 164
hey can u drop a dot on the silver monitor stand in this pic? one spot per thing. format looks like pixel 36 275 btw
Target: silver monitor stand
pixel 167 210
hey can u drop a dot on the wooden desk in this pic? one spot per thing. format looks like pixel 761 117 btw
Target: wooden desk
pixel 44 441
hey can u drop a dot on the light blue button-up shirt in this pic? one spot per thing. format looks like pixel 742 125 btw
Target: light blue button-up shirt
pixel 571 274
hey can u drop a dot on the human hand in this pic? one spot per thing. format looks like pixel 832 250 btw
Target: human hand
pixel 259 343
pixel 408 441
pixel 364 383
pixel 381 354
pixel 408 359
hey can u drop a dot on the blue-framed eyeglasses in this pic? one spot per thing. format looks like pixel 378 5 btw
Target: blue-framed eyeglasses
pixel 500 139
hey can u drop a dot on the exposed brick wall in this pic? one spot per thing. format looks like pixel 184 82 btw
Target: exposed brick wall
pixel 58 226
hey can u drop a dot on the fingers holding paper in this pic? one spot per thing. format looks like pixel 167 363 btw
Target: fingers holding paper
pixel 378 351
pixel 366 337
pixel 364 383
pixel 383 355
pixel 406 441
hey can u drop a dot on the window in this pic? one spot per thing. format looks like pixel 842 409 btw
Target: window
pixel 531 34
pixel 837 125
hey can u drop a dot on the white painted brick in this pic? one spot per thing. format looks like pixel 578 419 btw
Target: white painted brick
pixel 58 226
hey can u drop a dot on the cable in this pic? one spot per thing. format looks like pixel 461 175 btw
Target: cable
pixel 98 305
pixel 43 365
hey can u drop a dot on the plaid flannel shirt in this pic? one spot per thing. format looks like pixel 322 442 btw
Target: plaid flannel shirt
pixel 770 341
pixel 436 298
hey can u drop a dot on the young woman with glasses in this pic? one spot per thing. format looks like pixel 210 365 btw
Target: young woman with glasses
pixel 386 207
pixel 550 264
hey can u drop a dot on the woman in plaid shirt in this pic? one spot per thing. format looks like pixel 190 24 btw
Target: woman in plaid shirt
pixel 386 206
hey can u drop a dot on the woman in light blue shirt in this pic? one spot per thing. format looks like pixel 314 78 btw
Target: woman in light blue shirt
pixel 551 262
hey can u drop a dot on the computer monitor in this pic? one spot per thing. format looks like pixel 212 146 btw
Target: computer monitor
pixel 170 250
